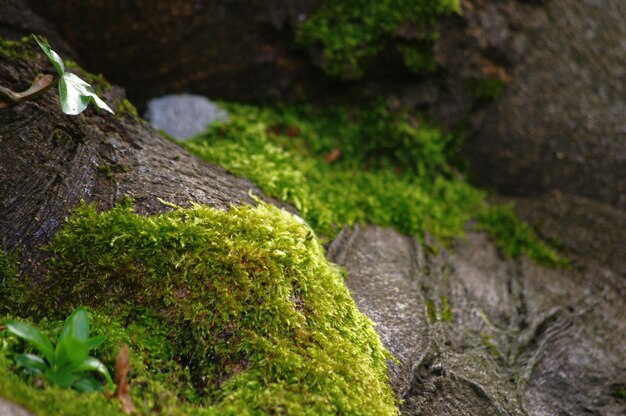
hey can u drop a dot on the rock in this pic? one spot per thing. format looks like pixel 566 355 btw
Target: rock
pixel 18 20
pixel 184 115
pixel 558 125
pixel 232 50
pixel 476 334
pixel 561 122
pixel 8 408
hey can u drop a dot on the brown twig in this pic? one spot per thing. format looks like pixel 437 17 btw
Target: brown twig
pixel 41 84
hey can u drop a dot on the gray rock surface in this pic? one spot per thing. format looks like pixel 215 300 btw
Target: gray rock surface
pixel 183 115
pixel 476 334
pixel 8 408
pixel 561 123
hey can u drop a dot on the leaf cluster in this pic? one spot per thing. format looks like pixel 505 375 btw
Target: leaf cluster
pixel 67 364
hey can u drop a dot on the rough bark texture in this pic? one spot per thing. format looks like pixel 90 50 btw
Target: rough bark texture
pixel 518 339
pixel 50 162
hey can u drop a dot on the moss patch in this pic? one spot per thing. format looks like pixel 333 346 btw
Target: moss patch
pixel 351 33
pixel 125 107
pixel 390 172
pixel 361 165
pixel 232 312
pixel 485 88
pixel 444 314
pixel 515 238
pixel 22 49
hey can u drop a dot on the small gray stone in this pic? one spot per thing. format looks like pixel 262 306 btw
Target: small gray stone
pixel 8 408
pixel 183 116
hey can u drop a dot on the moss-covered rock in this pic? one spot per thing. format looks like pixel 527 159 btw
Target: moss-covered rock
pixel 352 33
pixel 229 312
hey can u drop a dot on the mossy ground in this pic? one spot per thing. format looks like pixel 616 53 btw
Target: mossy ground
pixel 227 312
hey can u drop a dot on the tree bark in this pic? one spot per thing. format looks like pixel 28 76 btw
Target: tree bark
pixel 51 162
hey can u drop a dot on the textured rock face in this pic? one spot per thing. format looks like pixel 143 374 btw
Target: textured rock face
pixel 228 49
pixel 182 116
pixel 479 335
pixel 561 122
pixel 8 408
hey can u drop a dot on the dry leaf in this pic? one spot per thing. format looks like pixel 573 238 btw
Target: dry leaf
pixel 333 155
pixel 122 389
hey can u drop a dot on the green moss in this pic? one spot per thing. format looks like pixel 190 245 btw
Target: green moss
pixel 125 107
pixel 351 33
pixel 232 312
pixel 12 290
pixel 418 58
pixel 431 310
pixel 515 238
pixel 361 165
pixel 486 88
pixel 391 172
pixel 105 170
pixel 446 311
pixel 22 49
pixel 7 269
pixel 491 347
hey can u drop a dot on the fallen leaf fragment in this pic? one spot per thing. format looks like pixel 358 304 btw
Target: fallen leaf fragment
pixel 122 389
pixel 333 155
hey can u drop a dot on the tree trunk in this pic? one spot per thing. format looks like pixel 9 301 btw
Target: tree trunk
pixel 51 162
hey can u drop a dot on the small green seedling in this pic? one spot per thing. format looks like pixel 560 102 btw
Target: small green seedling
pixel 74 92
pixel 68 364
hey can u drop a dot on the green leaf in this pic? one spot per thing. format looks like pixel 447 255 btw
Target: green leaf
pixel 34 337
pixel 52 55
pixel 94 342
pixel 88 384
pixel 31 362
pixel 76 94
pixel 70 353
pixel 93 364
pixel 76 325
pixel 62 378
